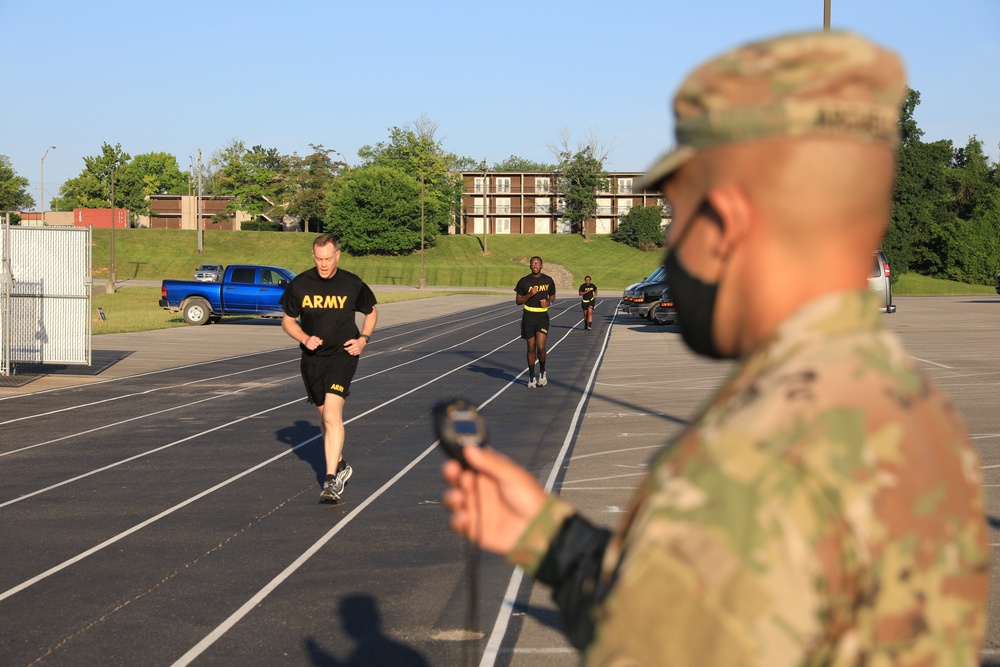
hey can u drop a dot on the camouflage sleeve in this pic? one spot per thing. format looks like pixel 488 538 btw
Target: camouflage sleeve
pixel 710 575
pixel 538 536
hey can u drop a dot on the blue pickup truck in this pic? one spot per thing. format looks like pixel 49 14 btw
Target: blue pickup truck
pixel 246 289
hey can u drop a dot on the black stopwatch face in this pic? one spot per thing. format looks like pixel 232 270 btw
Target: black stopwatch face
pixel 458 424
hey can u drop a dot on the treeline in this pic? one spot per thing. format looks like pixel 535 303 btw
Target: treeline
pixel 945 218
pixel 946 209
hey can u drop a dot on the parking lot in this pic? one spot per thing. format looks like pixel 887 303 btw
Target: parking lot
pixel 647 385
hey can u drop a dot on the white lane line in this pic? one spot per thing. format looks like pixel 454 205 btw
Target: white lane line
pixel 143 393
pixel 932 363
pixel 258 597
pixel 245 609
pixel 139 526
pixel 120 462
pixel 238 615
pixel 148 414
pixel 205 432
pixel 450 328
pixel 493 645
pixel 75 559
pixel 139 375
pixel 577 489
pixel 222 395
pixel 567 484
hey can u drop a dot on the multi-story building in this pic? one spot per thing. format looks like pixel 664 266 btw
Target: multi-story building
pixel 515 202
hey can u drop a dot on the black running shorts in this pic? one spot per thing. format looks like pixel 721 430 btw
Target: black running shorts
pixel 532 323
pixel 587 304
pixel 328 375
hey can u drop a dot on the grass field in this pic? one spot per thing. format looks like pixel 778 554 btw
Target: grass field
pixel 912 284
pixel 456 261
pixel 133 309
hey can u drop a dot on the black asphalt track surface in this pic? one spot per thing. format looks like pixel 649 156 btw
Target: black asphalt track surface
pixel 174 517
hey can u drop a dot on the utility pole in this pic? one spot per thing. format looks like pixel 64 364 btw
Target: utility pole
pixel 201 232
pixel 486 220
pixel 110 289
pixel 826 15
pixel 423 279
pixel 41 188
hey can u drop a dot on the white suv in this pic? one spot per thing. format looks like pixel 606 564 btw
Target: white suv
pixel 878 281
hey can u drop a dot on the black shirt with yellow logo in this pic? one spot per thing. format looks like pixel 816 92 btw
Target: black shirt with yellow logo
pixel 546 289
pixel 326 308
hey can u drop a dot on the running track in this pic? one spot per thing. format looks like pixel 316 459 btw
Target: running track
pixel 173 518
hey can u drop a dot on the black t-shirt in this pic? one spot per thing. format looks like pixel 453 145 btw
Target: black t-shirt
pixel 546 289
pixel 588 292
pixel 326 308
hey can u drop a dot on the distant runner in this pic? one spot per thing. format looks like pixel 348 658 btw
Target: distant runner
pixel 588 294
pixel 536 292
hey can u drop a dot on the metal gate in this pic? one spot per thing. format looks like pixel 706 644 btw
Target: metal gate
pixel 45 285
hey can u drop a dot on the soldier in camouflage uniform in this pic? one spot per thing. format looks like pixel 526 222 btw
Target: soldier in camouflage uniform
pixel 825 507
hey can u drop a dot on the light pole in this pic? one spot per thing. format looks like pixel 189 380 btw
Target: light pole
pixel 111 286
pixel 486 219
pixel 41 188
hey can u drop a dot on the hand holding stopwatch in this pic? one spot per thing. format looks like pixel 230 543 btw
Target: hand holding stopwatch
pixel 458 424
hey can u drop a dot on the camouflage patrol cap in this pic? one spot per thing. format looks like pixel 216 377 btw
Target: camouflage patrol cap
pixel 809 84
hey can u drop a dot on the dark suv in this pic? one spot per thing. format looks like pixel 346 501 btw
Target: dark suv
pixel 642 298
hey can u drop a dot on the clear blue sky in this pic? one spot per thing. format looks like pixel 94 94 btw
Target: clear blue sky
pixel 184 75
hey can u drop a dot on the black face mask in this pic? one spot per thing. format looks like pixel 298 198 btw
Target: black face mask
pixel 695 302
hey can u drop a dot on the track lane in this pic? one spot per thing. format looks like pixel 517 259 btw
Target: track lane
pixel 405 427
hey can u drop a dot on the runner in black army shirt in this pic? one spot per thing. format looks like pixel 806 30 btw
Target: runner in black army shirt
pixel 588 294
pixel 536 292
pixel 319 306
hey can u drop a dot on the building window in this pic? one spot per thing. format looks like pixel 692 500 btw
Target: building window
pixel 624 206
pixel 502 184
pixel 543 205
pixel 603 226
pixel 478 186
pixel 477 225
pixel 477 205
pixel 541 225
pixel 603 206
pixel 541 184
pixel 625 186
pixel 502 205
pixel 502 226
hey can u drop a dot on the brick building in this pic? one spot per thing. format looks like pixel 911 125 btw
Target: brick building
pixel 181 212
pixel 530 203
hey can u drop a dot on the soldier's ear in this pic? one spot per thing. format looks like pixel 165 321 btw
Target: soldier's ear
pixel 732 211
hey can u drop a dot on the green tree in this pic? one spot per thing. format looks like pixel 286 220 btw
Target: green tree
pixel 312 179
pixel 256 178
pixel 517 163
pixel 582 177
pixel 376 210
pixel 915 236
pixel 972 249
pixel 945 219
pixel 415 151
pixel 641 227
pixel 14 194
pixel 92 188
